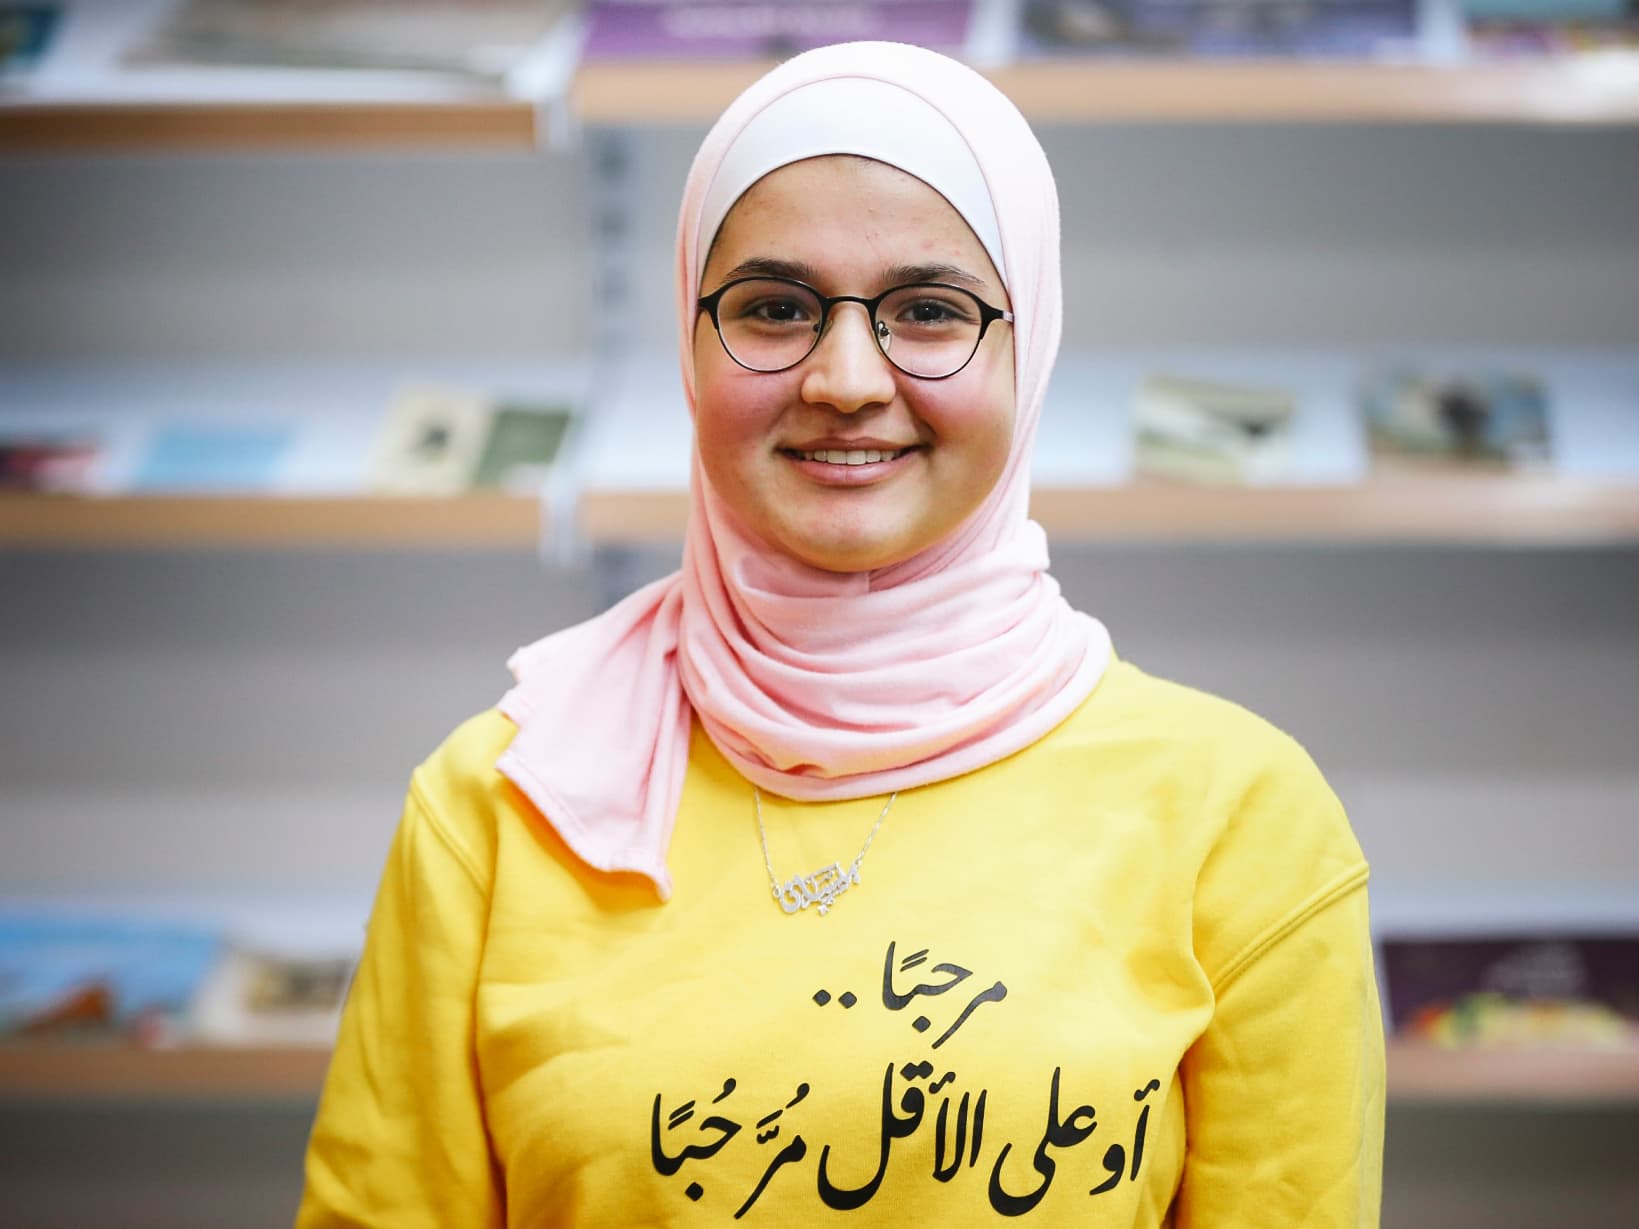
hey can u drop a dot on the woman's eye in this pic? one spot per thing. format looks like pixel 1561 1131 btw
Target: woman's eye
pixel 931 311
pixel 777 311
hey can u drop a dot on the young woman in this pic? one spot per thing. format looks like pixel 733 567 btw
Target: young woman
pixel 846 875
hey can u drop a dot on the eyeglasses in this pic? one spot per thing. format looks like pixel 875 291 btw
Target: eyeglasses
pixel 926 329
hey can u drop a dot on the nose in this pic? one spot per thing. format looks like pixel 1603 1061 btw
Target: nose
pixel 847 370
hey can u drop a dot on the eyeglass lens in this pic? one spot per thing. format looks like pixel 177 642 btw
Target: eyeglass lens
pixel 929 331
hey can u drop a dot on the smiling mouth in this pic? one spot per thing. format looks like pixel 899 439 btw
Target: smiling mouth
pixel 848 456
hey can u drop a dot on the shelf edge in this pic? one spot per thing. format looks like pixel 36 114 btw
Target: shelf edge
pixel 489 521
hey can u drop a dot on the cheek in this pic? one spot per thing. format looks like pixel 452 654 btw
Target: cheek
pixel 732 413
pixel 980 419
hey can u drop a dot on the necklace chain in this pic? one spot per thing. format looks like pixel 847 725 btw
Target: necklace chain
pixel 826 884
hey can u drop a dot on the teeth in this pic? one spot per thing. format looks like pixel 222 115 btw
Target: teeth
pixel 851 456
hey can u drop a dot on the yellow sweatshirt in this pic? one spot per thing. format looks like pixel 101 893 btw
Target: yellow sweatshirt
pixel 1122 978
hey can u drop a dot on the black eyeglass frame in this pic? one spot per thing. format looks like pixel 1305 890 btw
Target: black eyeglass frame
pixel 987 316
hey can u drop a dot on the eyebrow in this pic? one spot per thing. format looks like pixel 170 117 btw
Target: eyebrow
pixel 769 266
pixel 899 275
pixel 894 275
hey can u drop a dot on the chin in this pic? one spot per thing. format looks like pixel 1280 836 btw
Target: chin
pixel 848 557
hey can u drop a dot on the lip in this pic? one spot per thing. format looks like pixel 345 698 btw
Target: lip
pixel 866 443
pixel 824 473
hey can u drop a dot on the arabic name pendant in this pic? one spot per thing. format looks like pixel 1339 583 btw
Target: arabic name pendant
pixel 826 884
pixel 821 888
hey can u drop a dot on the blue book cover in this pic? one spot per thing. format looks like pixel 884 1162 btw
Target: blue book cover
pixel 100 975
pixel 212 457
pixel 25 33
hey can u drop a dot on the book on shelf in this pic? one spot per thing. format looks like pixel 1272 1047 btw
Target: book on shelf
pixel 1523 28
pixel 442 440
pixel 26 32
pixel 1208 29
pixel 49 464
pixel 262 996
pixel 1512 991
pixel 486 40
pixel 1210 431
pixel 764 29
pixel 1455 419
pixel 100 977
pixel 215 458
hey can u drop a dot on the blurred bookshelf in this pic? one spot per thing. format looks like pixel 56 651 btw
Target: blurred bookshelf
pixel 1583 91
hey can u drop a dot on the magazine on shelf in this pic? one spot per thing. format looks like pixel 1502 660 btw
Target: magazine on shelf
pixel 483 39
pixel 49 463
pixel 1460 419
pixel 1507 28
pixel 215 458
pixel 264 996
pixel 100 978
pixel 1327 29
pixel 756 29
pixel 25 33
pixel 524 443
pixel 1210 431
pixel 431 441
pixel 443 440
pixel 1514 990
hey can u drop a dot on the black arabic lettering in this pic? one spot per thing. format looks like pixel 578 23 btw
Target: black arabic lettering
pixel 791 1153
pixel 1115 1164
pixel 995 994
pixel 893 1127
pixel 893 1000
pixel 942 1170
pixel 1143 1122
pixel 669 1165
pixel 763 1137
pixel 1058 1134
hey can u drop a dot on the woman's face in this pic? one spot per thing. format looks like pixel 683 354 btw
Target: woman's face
pixel 851 226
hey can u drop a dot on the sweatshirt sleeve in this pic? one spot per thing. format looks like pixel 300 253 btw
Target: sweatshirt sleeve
pixel 1284 1091
pixel 400 1137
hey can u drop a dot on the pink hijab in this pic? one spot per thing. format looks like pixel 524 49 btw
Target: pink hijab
pixel 817 685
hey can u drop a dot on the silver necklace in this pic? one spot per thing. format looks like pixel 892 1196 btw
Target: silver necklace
pixel 826 884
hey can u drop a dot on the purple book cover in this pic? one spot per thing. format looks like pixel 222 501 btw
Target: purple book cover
pixel 1545 988
pixel 760 29
pixel 1228 29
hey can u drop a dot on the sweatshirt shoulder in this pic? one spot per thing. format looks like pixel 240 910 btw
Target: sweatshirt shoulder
pixel 472 748
pixel 459 789
pixel 1185 721
pixel 1270 842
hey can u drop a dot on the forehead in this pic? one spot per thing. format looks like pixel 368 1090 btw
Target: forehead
pixel 849 217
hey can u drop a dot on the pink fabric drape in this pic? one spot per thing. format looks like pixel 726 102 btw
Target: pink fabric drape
pixel 817 685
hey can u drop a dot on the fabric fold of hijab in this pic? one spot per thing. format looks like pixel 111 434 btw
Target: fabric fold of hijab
pixel 818 685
